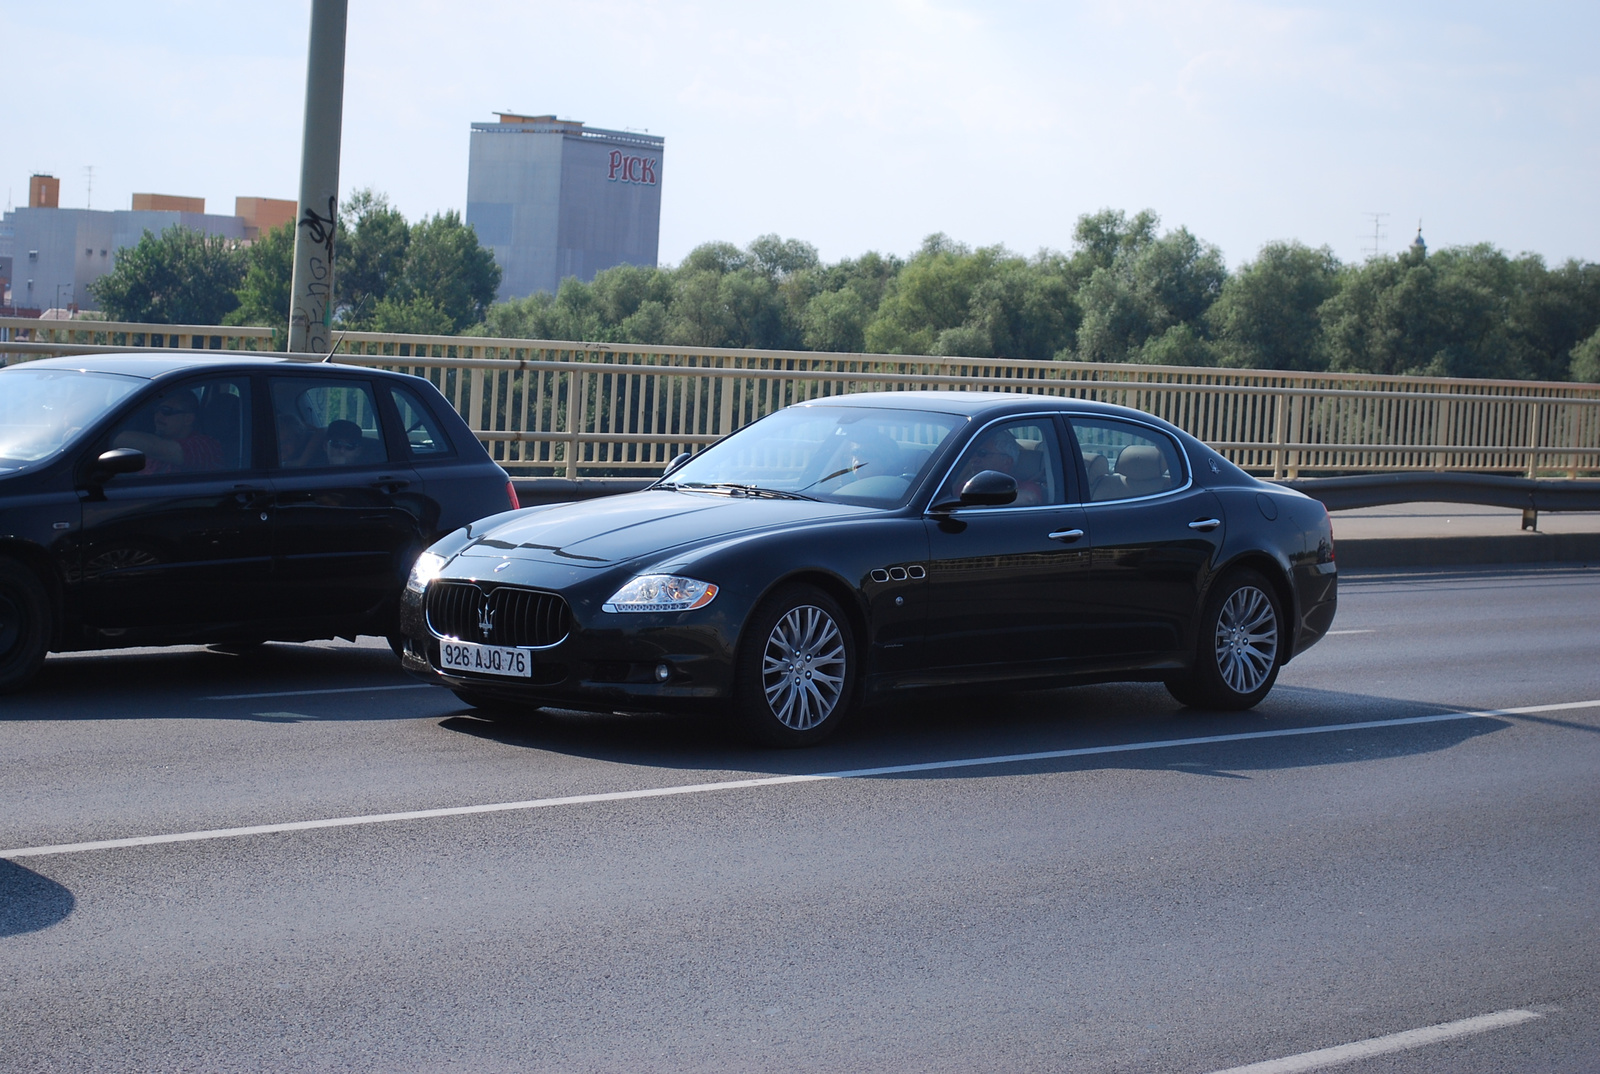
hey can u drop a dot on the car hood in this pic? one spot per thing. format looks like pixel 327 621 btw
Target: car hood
pixel 612 529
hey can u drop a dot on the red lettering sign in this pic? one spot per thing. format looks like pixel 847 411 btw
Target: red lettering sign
pixel 632 169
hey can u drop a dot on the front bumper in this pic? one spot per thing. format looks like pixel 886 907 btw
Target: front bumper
pixel 608 667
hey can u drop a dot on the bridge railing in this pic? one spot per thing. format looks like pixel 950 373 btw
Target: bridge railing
pixel 593 410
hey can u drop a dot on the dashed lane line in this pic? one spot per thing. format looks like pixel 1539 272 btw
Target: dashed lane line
pixel 767 781
pixel 1393 1042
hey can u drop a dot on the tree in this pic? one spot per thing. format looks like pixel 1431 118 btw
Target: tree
pixel 179 277
pixel 1150 286
pixel 264 293
pixel 445 263
pixel 1266 314
pixel 369 252
pixel 1586 359
pixel 930 295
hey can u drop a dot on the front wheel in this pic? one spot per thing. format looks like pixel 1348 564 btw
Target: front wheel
pixel 24 625
pixel 1240 646
pixel 796 674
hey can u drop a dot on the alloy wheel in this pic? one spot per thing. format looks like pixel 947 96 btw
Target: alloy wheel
pixel 1247 639
pixel 803 667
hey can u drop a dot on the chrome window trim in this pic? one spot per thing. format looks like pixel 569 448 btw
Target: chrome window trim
pixel 1188 464
pixel 1049 416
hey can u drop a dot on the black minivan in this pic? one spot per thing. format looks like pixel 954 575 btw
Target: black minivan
pixel 157 499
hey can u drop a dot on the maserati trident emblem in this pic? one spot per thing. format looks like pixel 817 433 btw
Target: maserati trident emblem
pixel 485 618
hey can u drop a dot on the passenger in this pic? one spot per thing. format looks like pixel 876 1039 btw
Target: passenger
pixel 299 445
pixel 345 443
pixel 999 451
pixel 177 445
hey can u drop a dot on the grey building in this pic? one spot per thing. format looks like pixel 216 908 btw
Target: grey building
pixel 554 198
pixel 57 253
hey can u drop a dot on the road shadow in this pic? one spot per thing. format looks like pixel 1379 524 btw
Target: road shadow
pixel 30 902
pixel 194 682
pixel 950 728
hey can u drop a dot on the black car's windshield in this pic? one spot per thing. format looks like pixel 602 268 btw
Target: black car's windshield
pixel 842 454
pixel 42 410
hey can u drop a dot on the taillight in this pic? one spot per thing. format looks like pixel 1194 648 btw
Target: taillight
pixel 511 494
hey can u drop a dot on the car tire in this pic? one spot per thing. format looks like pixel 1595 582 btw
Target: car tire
pixel 795 680
pixel 25 625
pixel 1240 646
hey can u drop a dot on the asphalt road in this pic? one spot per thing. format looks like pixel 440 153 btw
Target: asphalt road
pixel 1185 908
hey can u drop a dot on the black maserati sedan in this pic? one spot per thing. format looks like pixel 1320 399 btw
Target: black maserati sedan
pixel 161 498
pixel 863 546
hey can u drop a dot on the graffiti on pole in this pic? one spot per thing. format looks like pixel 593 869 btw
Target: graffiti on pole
pixel 313 298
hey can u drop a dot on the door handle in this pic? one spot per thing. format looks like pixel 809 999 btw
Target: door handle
pixel 1205 525
pixel 1066 536
pixel 390 484
pixel 247 494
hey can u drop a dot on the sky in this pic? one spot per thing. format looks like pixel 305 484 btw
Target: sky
pixel 866 124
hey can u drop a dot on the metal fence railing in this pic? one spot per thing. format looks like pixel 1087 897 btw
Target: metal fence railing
pixel 593 410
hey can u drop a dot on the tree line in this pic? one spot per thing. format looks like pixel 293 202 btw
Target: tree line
pixel 1126 292
pixel 429 277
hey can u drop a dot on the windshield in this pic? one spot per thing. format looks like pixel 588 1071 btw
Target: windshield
pixel 42 410
pixel 840 454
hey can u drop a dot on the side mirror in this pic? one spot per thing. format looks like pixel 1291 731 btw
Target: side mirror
pixel 676 462
pixel 122 460
pixel 987 488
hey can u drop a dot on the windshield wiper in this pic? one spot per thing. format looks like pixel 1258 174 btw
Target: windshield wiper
pixel 733 488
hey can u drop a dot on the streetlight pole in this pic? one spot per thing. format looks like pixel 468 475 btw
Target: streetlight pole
pixel 311 299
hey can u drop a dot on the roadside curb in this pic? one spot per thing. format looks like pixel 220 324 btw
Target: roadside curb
pixel 1527 547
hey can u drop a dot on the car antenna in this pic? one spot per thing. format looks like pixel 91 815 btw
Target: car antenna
pixel 329 356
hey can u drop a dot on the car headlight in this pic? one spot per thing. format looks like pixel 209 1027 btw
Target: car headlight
pixel 661 593
pixel 424 570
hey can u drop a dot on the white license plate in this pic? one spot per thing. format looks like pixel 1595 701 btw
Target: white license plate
pixel 484 659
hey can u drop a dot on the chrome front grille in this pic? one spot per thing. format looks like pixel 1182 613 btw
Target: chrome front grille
pixel 517 617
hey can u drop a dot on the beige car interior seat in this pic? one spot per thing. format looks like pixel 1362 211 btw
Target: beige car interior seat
pixel 1143 470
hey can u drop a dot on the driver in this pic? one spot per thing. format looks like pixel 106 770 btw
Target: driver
pixel 998 450
pixel 177 445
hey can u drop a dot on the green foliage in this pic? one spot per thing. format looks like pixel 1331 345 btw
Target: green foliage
pixel 264 293
pixel 1127 292
pixel 1586 359
pixel 445 264
pixel 369 252
pixel 1141 287
pixel 421 316
pixel 1267 314
pixel 178 277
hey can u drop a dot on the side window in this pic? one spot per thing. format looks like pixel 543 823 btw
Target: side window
pixel 1122 460
pixel 424 437
pixel 1027 450
pixel 321 422
pixel 197 427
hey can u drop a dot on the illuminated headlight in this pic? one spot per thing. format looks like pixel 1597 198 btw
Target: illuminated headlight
pixel 661 593
pixel 423 571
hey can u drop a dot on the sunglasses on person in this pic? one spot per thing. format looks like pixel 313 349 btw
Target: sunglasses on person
pixel 342 445
pixel 169 411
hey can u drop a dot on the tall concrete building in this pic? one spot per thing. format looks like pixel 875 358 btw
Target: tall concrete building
pixel 553 198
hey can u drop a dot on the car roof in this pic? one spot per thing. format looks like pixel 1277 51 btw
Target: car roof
pixel 977 404
pixel 151 365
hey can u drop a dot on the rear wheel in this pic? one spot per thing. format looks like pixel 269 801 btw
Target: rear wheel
pixel 796 674
pixel 1240 646
pixel 25 623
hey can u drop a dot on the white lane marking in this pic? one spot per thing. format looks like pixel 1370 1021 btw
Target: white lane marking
pixel 307 693
pixel 764 781
pixel 1333 632
pixel 1394 1042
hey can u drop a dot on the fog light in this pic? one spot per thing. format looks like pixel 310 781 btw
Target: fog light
pixel 663 673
